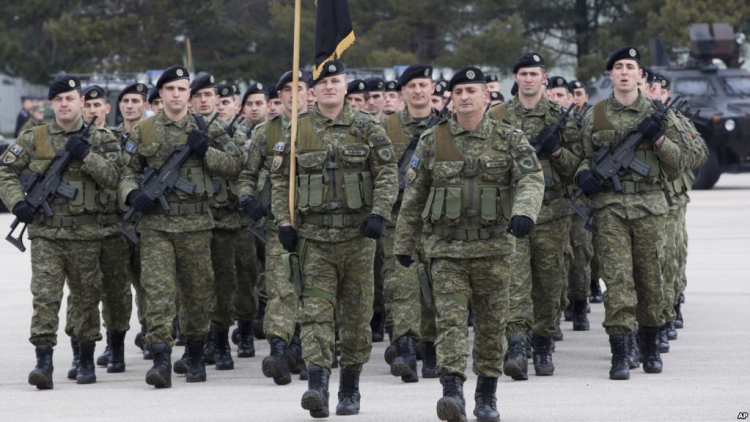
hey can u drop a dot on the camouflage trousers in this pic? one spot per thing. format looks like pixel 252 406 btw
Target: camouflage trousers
pixel 224 261
pixel 378 303
pixel 682 252
pixel 176 264
pixel 135 268
pixel 539 268
pixel 246 260
pixel 260 249
pixel 579 274
pixel 53 263
pixel 674 261
pixel 338 287
pixel 283 304
pixel 486 282
pixel 630 254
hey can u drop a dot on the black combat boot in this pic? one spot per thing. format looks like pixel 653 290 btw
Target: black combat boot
pixel 543 356
pixel 516 365
pixel 649 344
pixel 634 353
pixel 179 338
pixel 209 348
pixel 348 393
pixel 486 401
pixel 681 298
pixel 558 334
pixel 377 324
pixel 103 359
pixel 470 318
pixel 315 398
pixel 245 341
pixel 580 319
pixel 181 364
pixel 223 354
pixel 275 366
pixel 390 353
pixel 41 376
pixel 86 368
pixel 671 331
pixel 73 371
pixel 452 406
pixel 140 338
pixel 678 322
pixel 294 357
pixel 258 321
pixel 568 312
pixel 160 375
pixel 405 362
pixel 596 292
pixel 620 370
pixel 663 340
pixel 117 352
pixel 529 343
pixel 147 354
pixel 196 369
pixel 429 360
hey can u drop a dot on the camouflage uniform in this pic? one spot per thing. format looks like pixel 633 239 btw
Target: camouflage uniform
pixel 175 246
pixel 469 257
pixel 66 246
pixel 338 263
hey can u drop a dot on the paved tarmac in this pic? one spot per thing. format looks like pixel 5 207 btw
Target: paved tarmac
pixel 706 374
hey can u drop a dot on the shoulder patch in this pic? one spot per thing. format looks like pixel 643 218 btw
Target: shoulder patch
pixel 16 149
pixel 279 147
pixel 277 161
pixel 415 161
pixel 130 147
pixel 248 144
pixel 9 158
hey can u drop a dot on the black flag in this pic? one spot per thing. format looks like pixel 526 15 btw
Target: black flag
pixel 333 32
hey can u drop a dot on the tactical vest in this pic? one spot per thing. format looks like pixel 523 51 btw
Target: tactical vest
pixel 332 180
pixel 90 198
pixel 394 131
pixel 192 170
pixel 471 197
pixel 605 133
pixel 226 193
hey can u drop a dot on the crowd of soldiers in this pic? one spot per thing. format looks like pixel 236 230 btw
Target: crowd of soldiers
pixel 419 208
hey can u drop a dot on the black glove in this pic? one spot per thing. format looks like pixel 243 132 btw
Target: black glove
pixel 587 181
pixel 77 147
pixel 198 143
pixel 288 238
pixel 141 202
pixel 650 127
pixel 405 260
pixel 373 226
pixel 24 212
pixel 548 140
pixel 520 226
pixel 255 209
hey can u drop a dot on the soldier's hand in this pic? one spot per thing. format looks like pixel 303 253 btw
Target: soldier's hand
pixel 651 128
pixel 254 209
pixel 549 140
pixel 288 238
pixel 24 211
pixel 77 147
pixel 520 226
pixel 373 226
pixel 198 143
pixel 141 202
pixel 588 182
pixel 405 260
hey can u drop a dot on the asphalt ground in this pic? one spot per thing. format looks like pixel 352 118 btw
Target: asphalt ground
pixel 706 373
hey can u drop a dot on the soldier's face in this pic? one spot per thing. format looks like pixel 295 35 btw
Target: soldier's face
pixel 274 108
pixel 417 92
pixel 204 101
pixel 470 99
pixel 392 102
pixel 99 108
pixel 67 106
pixel 580 97
pixel 561 96
pixel 437 102
pixel 331 90
pixel 175 95
pixel 357 101
pixel 255 109
pixel 494 86
pixel 226 108
pixel 530 80
pixel 310 98
pixel 132 107
pixel 157 106
pixel 285 95
pixel 625 75
pixel 375 103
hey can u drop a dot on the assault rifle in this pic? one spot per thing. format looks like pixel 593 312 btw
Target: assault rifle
pixel 231 128
pixel 610 165
pixel 405 161
pixel 555 127
pixel 40 193
pixel 158 184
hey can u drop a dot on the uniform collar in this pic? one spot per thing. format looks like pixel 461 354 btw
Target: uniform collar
pixel 345 118
pixel 638 105
pixel 55 129
pixel 482 131
pixel 540 110
pixel 166 121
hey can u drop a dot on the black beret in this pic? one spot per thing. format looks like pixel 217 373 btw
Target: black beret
pixel 287 78
pixel 415 71
pixel 392 86
pixel 272 92
pixel 307 77
pixel 330 68
pixel 153 96
pixel 225 91
pixel 514 89
pixel 439 90
pixel 663 81
pixel 357 86
pixel 94 92
pixel 256 88
pixel 491 77
pixel 375 84
pixel 558 82
pixel 444 83
pixel 136 88
pixel 466 75
pixel 172 74
pixel 496 96
pixel 202 81
pixel 530 59
pixel 623 53
pixel 63 84
pixel 575 85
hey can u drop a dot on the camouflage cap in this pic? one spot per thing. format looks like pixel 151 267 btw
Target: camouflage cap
pixel 62 85
pixel 623 53
pixel 173 73
pixel 94 92
pixel 137 88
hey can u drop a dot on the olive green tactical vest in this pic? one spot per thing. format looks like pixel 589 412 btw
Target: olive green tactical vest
pixel 394 131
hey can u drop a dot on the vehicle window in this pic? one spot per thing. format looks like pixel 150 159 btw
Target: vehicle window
pixel 693 86
pixel 738 85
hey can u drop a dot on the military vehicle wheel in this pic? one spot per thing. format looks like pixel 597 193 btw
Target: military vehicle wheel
pixel 707 176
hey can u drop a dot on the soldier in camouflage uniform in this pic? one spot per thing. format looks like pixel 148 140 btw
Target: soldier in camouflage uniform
pixel 631 223
pixel 393 102
pixel 473 183
pixel 66 246
pixel 539 262
pixel 346 184
pixel 36 118
pixel 175 244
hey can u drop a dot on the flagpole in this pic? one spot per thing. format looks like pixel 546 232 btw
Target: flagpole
pixel 295 114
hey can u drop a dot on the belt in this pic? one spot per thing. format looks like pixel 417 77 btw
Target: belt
pixel 224 211
pixel 634 187
pixel 467 234
pixel 110 219
pixel 70 220
pixel 185 209
pixel 334 220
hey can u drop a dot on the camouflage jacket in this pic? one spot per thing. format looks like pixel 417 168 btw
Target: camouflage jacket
pixel 350 131
pixel 102 167
pixel 223 160
pixel 697 156
pixel 506 160
pixel 225 203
